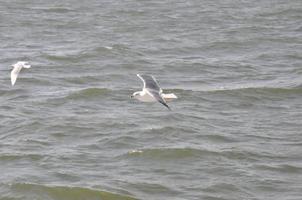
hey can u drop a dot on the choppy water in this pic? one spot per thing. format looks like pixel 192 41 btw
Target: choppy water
pixel 68 129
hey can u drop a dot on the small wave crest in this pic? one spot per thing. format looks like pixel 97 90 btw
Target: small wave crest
pixel 269 90
pixel 36 191
pixel 88 93
pixel 19 156
pixel 169 153
pixel 248 88
pixel 283 168
pixel 54 9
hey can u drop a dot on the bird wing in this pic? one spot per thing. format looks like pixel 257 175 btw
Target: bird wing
pixel 150 82
pixel 158 97
pixel 14 74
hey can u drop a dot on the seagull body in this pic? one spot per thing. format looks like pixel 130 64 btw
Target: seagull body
pixel 152 92
pixel 144 96
pixel 16 69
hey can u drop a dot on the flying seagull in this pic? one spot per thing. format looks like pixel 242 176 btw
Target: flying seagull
pixel 16 69
pixel 152 92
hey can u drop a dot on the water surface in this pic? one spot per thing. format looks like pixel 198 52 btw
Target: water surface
pixel 68 129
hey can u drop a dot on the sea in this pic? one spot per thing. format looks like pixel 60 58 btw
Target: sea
pixel 70 131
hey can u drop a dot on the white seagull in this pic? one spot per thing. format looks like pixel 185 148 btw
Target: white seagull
pixel 16 69
pixel 152 92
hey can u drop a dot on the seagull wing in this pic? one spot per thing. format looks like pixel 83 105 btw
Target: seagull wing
pixel 158 97
pixel 149 82
pixel 14 74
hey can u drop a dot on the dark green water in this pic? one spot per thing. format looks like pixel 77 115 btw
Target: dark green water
pixel 68 129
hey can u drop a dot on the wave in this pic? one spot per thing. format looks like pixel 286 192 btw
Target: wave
pixel 268 90
pixel 283 168
pixel 297 88
pixel 282 12
pixel 170 153
pixel 88 93
pixel 18 156
pixel 4 92
pixel 54 9
pixel 219 191
pixel 67 57
pixel 37 191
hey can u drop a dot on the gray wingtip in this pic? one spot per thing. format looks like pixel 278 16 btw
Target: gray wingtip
pixel 166 105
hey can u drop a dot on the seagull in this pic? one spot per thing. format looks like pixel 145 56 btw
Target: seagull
pixel 16 69
pixel 152 92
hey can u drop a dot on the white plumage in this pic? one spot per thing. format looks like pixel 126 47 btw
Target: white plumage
pixel 152 92
pixel 16 69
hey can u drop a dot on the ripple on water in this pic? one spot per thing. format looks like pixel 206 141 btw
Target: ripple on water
pixel 20 156
pixel 167 154
pixel 89 93
pixel 283 168
pixel 37 191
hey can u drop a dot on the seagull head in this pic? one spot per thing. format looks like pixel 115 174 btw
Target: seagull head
pixel 135 95
pixel 15 65
pixel 21 64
